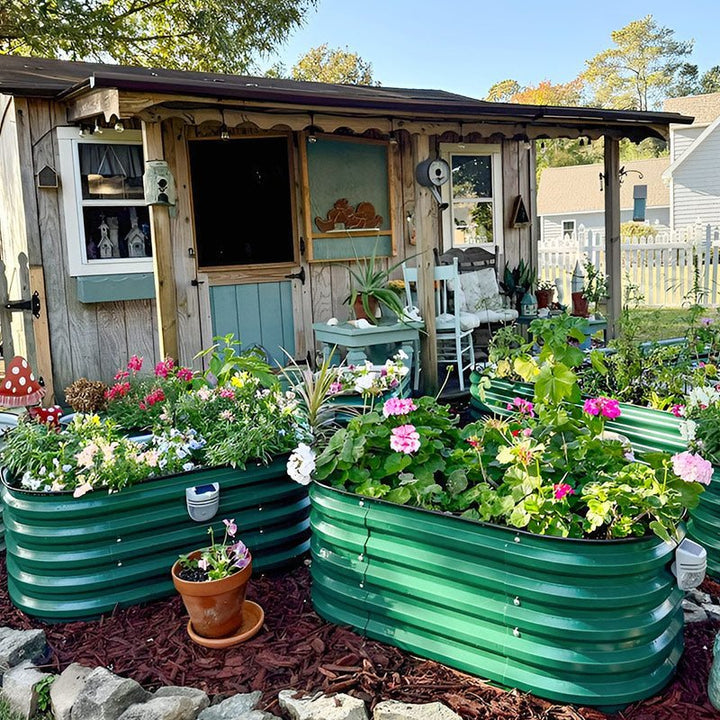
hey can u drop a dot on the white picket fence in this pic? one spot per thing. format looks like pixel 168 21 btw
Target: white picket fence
pixel 662 266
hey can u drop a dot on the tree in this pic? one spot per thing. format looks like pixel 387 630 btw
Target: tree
pixel 639 70
pixel 204 35
pixel 710 80
pixel 690 82
pixel 503 91
pixel 333 65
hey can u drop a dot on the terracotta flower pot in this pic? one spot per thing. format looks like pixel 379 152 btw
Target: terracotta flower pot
pixel 359 309
pixel 580 305
pixel 215 606
pixel 544 298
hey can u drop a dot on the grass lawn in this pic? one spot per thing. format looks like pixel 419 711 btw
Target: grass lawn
pixel 663 323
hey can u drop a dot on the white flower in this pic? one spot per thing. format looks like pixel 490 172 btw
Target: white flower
pixel 30 482
pixel 401 355
pixel 364 383
pixel 687 430
pixel 301 464
pixel 703 397
pixel 188 466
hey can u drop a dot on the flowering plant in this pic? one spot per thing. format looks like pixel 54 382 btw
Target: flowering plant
pixel 700 423
pixel 218 561
pixel 371 381
pixel 136 401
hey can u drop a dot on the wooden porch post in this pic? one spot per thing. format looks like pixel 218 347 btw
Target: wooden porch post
pixel 425 235
pixel 165 296
pixel 612 233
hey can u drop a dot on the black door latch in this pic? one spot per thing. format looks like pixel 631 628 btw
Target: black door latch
pixel 297 276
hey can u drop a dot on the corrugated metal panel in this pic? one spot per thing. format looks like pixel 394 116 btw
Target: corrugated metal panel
pixel 74 558
pixel 597 623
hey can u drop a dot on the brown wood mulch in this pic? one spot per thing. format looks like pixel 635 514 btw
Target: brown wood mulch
pixel 297 649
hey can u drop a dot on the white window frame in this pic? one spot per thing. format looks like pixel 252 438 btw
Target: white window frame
pixel 572 233
pixel 73 203
pixel 447 150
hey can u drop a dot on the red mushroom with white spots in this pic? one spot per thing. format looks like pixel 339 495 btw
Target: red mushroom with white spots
pixel 19 388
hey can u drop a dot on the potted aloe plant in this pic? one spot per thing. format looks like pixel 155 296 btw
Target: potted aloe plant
pixel 212 582
pixel 371 291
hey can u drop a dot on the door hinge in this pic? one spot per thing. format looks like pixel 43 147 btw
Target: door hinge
pixel 195 282
pixel 33 305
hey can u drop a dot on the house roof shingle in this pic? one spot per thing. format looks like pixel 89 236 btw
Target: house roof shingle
pixel 576 188
pixel 704 108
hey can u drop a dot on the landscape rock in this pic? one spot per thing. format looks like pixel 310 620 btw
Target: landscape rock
pixel 106 696
pixel 19 689
pixel 394 710
pixel 19 645
pixel 66 688
pixel 322 707
pixel 199 699
pixel 693 613
pixel 698 596
pixel 162 708
pixel 237 707
pixel 713 611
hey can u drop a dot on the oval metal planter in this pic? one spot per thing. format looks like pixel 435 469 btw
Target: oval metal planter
pixel 589 622
pixel 647 429
pixel 73 558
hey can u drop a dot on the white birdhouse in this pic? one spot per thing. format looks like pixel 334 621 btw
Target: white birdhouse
pixel 159 183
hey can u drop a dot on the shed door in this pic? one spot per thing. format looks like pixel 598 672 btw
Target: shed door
pixel 246 240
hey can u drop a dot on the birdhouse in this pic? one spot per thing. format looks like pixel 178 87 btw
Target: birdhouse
pixel 105 248
pixel 577 283
pixel 47 178
pixel 136 245
pixel 159 183
pixel 528 305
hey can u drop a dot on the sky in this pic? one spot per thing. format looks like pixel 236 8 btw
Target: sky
pixel 465 46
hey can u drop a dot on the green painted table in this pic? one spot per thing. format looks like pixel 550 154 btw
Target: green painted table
pixel 358 340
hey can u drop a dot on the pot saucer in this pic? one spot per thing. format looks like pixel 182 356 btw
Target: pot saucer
pixel 253 618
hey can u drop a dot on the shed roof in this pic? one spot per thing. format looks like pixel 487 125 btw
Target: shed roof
pixel 704 108
pixel 576 188
pixel 38 77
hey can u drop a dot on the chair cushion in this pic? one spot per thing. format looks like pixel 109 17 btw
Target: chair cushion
pixel 468 321
pixel 493 316
pixel 479 291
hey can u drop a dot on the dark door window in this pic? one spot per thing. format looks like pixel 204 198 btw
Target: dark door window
pixel 242 201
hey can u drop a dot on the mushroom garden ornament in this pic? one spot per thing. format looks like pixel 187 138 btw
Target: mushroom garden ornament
pixel 19 388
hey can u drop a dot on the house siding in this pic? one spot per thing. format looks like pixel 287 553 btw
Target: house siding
pixel 552 224
pixel 683 138
pixel 696 186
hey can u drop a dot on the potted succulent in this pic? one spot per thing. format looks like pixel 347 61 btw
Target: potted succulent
pixel 212 583
pixel 517 282
pixel 371 290
pixel 544 293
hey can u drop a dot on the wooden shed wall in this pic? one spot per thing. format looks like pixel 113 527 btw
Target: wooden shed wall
pixel 87 340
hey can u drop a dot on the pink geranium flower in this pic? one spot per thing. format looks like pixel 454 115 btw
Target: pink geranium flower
pixel 692 467
pixel 524 407
pixel 605 406
pixel 135 363
pixel 561 490
pixel 398 406
pixel 163 368
pixel 185 374
pixel 678 410
pixel 405 439
pixel 228 393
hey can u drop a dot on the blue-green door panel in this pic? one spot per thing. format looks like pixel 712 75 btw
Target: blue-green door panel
pixel 257 314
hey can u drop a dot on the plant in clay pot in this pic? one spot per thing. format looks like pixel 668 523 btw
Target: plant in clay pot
pixel 544 293
pixel 212 582
pixel 371 290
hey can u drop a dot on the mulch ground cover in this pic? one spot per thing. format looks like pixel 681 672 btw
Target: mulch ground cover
pixel 297 649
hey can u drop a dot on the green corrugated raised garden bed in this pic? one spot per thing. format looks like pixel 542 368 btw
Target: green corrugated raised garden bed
pixel 72 558
pixel 595 623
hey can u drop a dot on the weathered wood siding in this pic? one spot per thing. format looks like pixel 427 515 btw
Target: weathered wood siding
pixel 86 340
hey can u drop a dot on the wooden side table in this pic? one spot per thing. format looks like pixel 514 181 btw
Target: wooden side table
pixel 357 340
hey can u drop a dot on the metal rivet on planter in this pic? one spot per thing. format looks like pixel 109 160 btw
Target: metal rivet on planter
pixel 517 538
pixel 516 601
pixel 516 632
pixel 119 540
pixel 361 557
pixel 362 585
pixel 119 564
pixel 261 532
pixel 361 504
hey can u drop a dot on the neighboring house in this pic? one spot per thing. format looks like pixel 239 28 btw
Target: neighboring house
pixel 694 173
pixel 570 199
pixel 258 193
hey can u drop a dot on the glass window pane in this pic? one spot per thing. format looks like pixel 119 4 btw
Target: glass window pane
pixel 111 170
pixel 472 223
pixel 117 232
pixel 471 176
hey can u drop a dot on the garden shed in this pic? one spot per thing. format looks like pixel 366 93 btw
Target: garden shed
pixel 257 192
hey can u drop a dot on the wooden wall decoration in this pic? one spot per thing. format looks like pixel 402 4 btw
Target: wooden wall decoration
pixel 520 217
pixel 348 183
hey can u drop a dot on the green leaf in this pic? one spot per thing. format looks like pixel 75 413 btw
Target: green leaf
pixel 395 463
pixel 400 495
pixel 555 381
pixel 457 481
pixel 660 530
